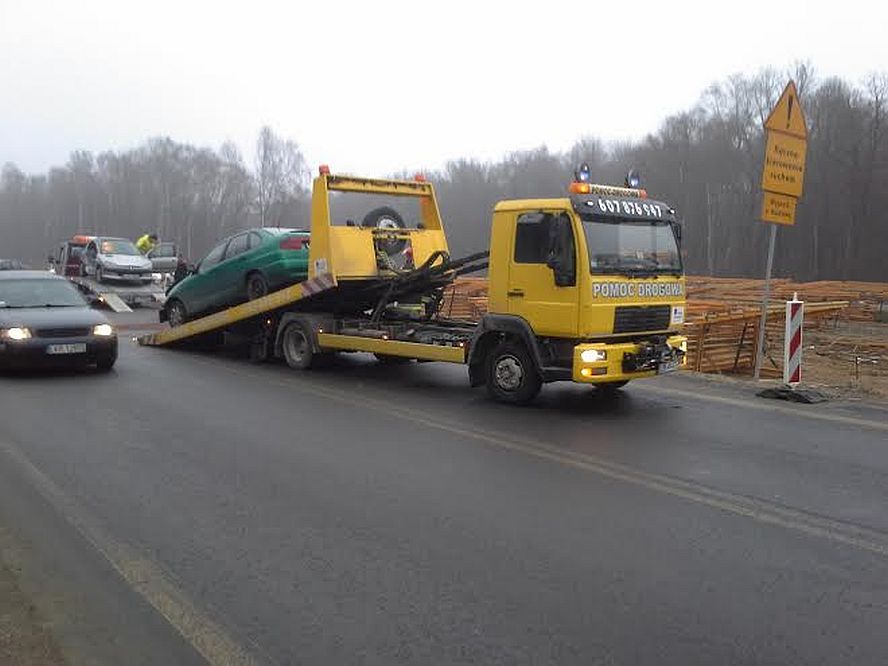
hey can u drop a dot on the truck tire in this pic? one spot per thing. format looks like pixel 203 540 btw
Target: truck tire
pixel 176 312
pixel 512 375
pixel 386 217
pixel 296 347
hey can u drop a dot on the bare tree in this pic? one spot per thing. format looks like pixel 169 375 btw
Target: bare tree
pixel 280 177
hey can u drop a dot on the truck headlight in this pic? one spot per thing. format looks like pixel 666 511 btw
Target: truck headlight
pixel 593 355
pixel 16 333
pixel 103 330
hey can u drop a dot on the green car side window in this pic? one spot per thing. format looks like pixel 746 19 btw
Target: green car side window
pixel 238 245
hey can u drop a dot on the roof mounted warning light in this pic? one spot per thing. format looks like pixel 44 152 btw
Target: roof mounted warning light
pixel 582 185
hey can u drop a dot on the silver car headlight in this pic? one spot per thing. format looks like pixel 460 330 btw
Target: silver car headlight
pixel 103 330
pixel 16 333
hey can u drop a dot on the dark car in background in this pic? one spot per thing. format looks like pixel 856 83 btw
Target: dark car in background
pixel 45 321
pixel 242 267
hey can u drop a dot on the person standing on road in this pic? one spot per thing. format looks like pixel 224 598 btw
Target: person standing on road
pixel 181 269
pixel 146 243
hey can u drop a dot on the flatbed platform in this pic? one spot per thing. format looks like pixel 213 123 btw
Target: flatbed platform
pixel 121 297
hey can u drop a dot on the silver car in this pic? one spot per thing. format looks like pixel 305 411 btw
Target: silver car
pixel 115 259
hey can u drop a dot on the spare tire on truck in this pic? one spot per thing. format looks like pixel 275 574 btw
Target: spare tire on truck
pixel 386 217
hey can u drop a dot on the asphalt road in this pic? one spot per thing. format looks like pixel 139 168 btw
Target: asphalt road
pixel 192 506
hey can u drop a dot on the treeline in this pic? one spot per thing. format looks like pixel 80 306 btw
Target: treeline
pixel 705 161
pixel 186 194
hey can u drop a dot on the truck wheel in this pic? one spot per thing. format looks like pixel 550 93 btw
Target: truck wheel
pixel 386 217
pixel 296 347
pixel 257 286
pixel 511 374
pixel 176 312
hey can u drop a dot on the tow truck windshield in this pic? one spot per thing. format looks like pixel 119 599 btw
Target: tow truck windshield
pixel 631 246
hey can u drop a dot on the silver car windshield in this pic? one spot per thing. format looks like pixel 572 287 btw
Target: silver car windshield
pixel 119 247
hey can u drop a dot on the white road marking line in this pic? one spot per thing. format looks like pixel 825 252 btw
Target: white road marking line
pixel 157 586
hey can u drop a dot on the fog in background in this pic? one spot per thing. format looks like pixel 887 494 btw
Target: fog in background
pixel 490 100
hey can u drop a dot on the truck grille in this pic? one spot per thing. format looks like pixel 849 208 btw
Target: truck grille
pixel 62 332
pixel 640 318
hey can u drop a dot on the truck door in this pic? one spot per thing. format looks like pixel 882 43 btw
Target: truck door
pixel 543 276
pixel 89 257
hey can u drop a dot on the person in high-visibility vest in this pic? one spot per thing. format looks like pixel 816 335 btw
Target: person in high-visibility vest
pixel 146 243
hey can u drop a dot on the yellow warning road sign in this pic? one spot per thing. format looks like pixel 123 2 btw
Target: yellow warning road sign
pixel 784 168
pixel 778 208
pixel 788 117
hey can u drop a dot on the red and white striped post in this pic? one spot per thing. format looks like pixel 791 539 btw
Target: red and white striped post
pixel 792 347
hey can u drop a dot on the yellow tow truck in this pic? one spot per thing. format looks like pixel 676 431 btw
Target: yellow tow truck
pixel 587 288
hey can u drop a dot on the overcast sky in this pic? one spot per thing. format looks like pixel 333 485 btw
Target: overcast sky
pixel 373 87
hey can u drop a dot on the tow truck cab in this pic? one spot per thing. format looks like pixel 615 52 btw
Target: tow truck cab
pixel 69 256
pixel 592 283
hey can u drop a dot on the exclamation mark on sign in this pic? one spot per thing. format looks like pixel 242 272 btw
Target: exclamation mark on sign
pixel 789 111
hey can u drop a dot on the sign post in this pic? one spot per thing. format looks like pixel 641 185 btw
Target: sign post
pixel 783 176
pixel 792 346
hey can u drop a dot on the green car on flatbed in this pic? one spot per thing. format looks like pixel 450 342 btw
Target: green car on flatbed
pixel 245 266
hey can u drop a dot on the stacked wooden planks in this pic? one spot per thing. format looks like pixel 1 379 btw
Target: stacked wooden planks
pixel 727 341
pixel 465 299
pixel 723 315
pixel 865 299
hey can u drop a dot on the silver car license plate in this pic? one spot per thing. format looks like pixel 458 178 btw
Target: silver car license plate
pixel 74 348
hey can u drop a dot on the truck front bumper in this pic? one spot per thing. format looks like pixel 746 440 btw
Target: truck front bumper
pixel 596 363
